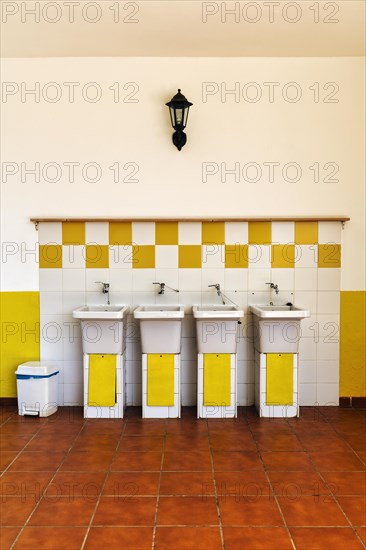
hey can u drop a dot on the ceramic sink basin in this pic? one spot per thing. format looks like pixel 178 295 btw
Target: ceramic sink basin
pixel 100 312
pixel 217 328
pixel 277 327
pixel 103 328
pixel 160 328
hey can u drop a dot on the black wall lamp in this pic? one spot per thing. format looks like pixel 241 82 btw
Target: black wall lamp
pixel 179 109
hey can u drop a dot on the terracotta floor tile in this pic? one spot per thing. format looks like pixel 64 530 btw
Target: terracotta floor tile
pixel 331 443
pixel 362 456
pixel 37 461
pixel 312 511
pixel 187 511
pixel 193 461
pixel 146 427
pixel 257 538
pixel 95 442
pixel 15 510
pixel 8 536
pixel 278 442
pixel 296 484
pixel 16 429
pixel 72 484
pixel 92 461
pixel 355 509
pixel 184 442
pixel 142 443
pixel 137 461
pixel 346 483
pixel 183 426
pixel 325 538
pixel 232 442
pixel 336 461
pixel 6 457
pixel 241 484
pixel 188 538
pixel 119 538
pixel 361 531
pixel 125 511
pixel 250 510
pixel 237 460
pixel 102 426
pixel 27 484
pixel 187 483
pixel 287 461
pixel 14 443
pixel 54 442
pixel 63 511
pixel 357 442
pixel 47 538
pixel 132 484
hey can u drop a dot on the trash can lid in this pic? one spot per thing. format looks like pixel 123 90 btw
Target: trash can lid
pixel 37 367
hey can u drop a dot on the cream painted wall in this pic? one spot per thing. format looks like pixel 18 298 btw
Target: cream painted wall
pixel 169 183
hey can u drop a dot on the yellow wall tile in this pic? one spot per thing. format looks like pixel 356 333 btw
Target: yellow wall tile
pixel 143 256
pixel 329 255
pixel 190 255
pixel 166 233
pixel 20 336
pixel 213 232
pixel 73 233
pixel 352 381
pixel 259 232
pixel 236 255
pixel 283 255
pixel 50 255
pixel 97 256
pixel 306 232
pixel 120 233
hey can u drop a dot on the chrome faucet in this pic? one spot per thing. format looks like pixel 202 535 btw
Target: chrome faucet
pixel 218 290
pixel 163 286
pixel 274 287
pixel 105 289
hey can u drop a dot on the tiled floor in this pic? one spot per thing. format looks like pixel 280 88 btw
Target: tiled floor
pixel 250 483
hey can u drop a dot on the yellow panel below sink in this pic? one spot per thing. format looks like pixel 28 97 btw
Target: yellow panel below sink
pixel 102 380
pixel 160 380
pixel 280 378
pixel 217 379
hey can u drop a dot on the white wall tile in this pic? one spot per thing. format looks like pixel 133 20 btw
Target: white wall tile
pixel 306 278
pixel 283 277
pixel 189 395
pixel 306 255
pixel 166 256
pixel 73 256
pixel 259 256
pixel 329 232
pixel 189 372
pixel 120 280
pixel 307 371
pixel 73 394
pixel 236 232
pixel 328 302
pixel 245 372
pixel 307 395
pixel 258 279
pixel 143 232
pixel 327 351
pixel 329 279
pixel 283 232
pixel 97 232
pixel 236 279
pixel 212 277
pixel 73 372
pixel 72 300
pixel 50 232
pixel 213 256
pixel 120 257
pixel 327 372
pixel 307 300
pixel 143 280
pixel 170 277
pixel 72 350
pixel 74 280
pixel 190 279
pixel 50 279
pixel 189 233
pixel 328 395
pixel 51 302
pixel 307 349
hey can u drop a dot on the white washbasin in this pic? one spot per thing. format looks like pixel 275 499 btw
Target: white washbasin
pixel 159 312
pixel 160 328
pixel 279 312
pixel 103 328
pixel 277 327
pixel 217 312
pixel 100 312
pixel 217 328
